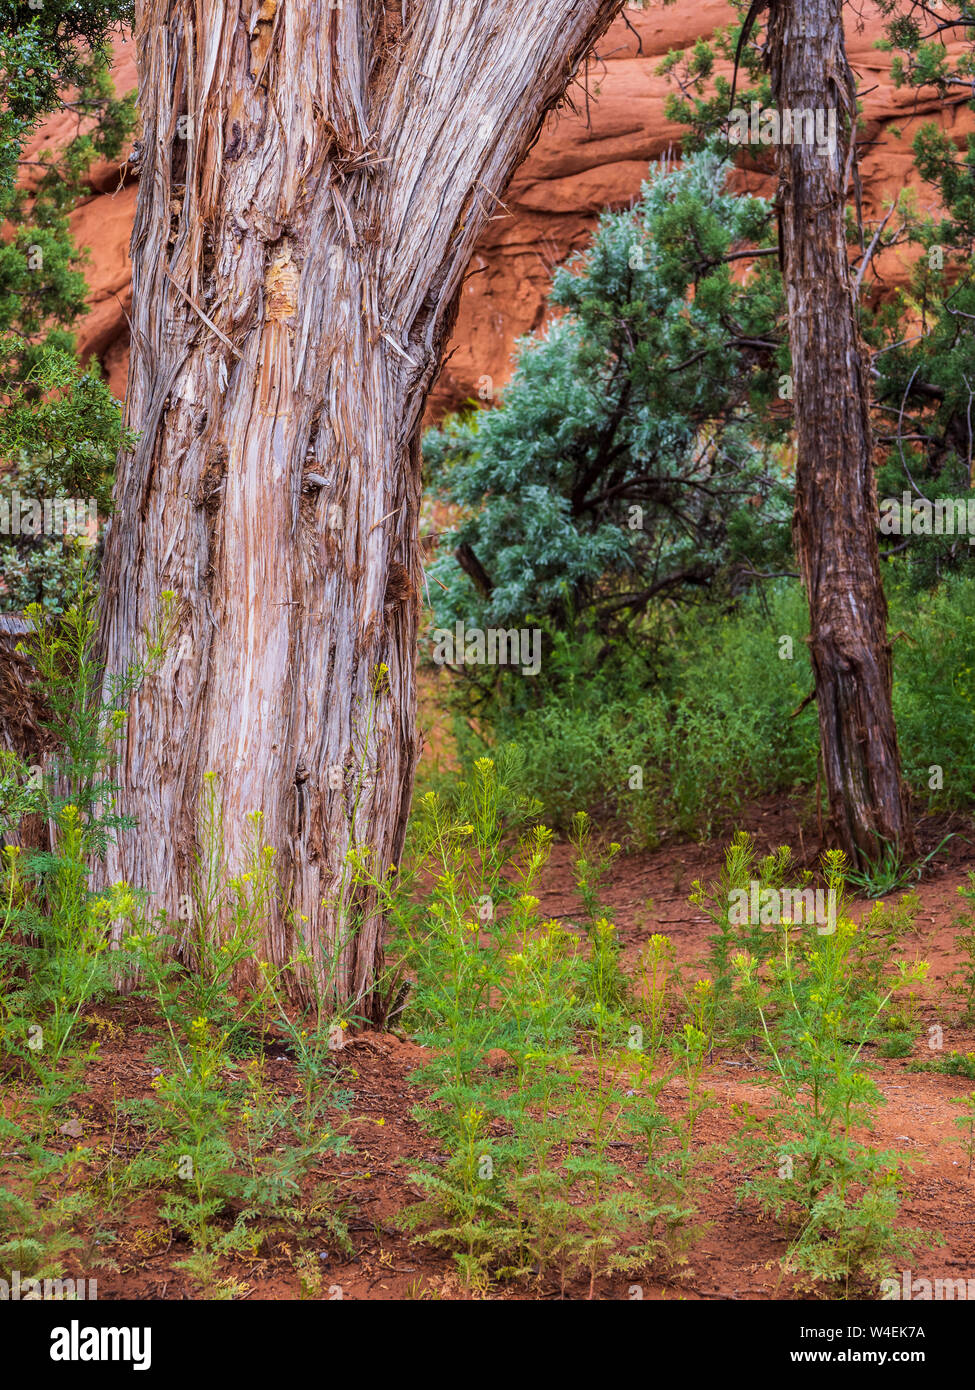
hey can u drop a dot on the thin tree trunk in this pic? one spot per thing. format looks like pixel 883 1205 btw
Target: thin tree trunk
pixel 316 174
pixel 836 509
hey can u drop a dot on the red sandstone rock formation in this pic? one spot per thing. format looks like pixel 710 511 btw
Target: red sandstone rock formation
pixel 587 159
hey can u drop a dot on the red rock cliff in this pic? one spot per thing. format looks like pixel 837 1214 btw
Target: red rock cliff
pixel 591 155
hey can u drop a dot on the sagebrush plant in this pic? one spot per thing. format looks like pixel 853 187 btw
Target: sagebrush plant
pixel 54 941
pixel 605 980
pixel 237 1163
pixel 837 1196
pixel 84 712
pixel 455 950
pixel 39 1212
pixel 566 1103
pixel 742 867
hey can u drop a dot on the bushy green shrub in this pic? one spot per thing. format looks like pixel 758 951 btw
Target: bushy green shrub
pixel 632 454
pixel 704 717
pixel 934 690
pixel 60 427
pixel 677 753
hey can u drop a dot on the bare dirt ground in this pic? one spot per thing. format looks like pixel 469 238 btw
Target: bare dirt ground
pixel 737 1257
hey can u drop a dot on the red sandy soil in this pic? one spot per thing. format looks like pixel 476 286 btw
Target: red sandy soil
pixel 737 1257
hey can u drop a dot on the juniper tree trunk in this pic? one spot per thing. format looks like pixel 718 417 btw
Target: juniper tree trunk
pixel 315 175
pixel 835 522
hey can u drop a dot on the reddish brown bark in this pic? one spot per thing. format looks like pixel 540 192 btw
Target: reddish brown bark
pixel 836 510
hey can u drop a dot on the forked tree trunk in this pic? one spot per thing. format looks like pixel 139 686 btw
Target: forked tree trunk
pixel 316 174
pixel 836 509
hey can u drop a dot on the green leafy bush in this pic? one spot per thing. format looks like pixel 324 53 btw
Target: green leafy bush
pixel 631 456
pixel 934 690
pixel 713 727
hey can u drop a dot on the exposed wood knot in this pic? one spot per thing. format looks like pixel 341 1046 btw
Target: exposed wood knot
pixel 280 305
pixel 281 286
pixel 212 480
pixel 399 585
pixel 235 145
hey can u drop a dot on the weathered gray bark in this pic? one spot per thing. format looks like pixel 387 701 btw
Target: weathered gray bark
pixel 316 173
pixel 836 509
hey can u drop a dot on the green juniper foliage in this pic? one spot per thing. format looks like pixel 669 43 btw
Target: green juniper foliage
pixel 702 101
pixel 60 428
pixel 925 362
pixel 630 457
pixel 922 336
pixel 45 50
pixel 603 491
